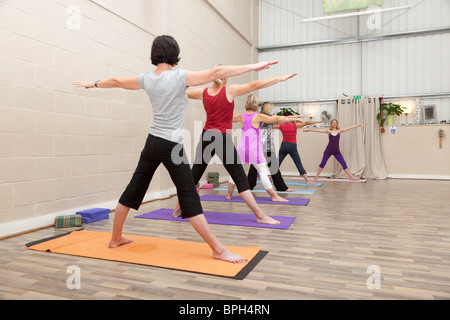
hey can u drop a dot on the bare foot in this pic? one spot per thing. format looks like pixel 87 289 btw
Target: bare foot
pixel 114 244
pixel 228 197
pixel 268 220
pixel 316 179
pixel 176 213
pixel 289 190
pixel 279 199
pixel 311 182
pixel 354 179
pixel 229 256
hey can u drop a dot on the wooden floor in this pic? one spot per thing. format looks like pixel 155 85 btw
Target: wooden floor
pixel 401 226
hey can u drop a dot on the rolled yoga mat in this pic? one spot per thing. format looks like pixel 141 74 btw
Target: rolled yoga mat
pixel 223 218
pixel 162 253
pixel 259 200
pixel 263 190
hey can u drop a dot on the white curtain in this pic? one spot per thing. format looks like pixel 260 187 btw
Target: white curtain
pixel 361 147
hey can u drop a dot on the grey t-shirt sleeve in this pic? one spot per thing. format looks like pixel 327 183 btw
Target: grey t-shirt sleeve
pixel 141 79
pixel 181 76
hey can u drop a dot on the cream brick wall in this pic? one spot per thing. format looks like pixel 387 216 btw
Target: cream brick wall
pixel 63 148
pixel 208 41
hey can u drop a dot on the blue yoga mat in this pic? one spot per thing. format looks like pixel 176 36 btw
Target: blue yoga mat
pixel 259 200
pixel 263 190
pixel 300 184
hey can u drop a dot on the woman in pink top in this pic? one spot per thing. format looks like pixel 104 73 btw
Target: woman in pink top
pixel 250 149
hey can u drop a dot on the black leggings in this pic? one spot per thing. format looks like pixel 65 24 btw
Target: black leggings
pixel 274 168
pixel 221 144
pixel 172 156
pixel 289 148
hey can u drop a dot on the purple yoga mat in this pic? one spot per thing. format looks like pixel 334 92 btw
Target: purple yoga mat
pixel 224 218
pixel 259 200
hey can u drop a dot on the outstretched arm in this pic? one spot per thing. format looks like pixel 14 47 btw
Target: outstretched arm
pixel 277 119
pixel 238 118
pixel 353 127
pixel 192 78
pixel 234 91
pixel 293 118
pixel 307 123
pixel 317 130
pixel 196 94
pixel 198 78
pixel 124 83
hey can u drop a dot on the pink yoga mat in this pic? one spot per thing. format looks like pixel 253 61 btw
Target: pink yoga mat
pixel 335 180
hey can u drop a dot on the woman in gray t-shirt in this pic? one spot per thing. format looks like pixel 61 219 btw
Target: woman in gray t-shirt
pixel 166 89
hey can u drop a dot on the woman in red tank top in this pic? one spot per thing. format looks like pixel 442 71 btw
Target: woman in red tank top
pixel 218 101
pixel 289 144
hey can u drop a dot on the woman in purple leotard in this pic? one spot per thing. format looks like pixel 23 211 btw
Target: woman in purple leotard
pixel 334 134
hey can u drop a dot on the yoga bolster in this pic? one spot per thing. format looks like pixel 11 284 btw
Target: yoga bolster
pixel 68 221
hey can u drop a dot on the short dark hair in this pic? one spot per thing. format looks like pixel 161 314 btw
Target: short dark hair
pixel 287 113
pixel 165 49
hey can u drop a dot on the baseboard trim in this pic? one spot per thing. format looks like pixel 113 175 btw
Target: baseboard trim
pixel 390 176
pixel 418 177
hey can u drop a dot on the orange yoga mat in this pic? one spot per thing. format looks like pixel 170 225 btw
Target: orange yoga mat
pixel 164 253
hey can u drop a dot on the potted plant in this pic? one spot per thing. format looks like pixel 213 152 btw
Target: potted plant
pixel 388 111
